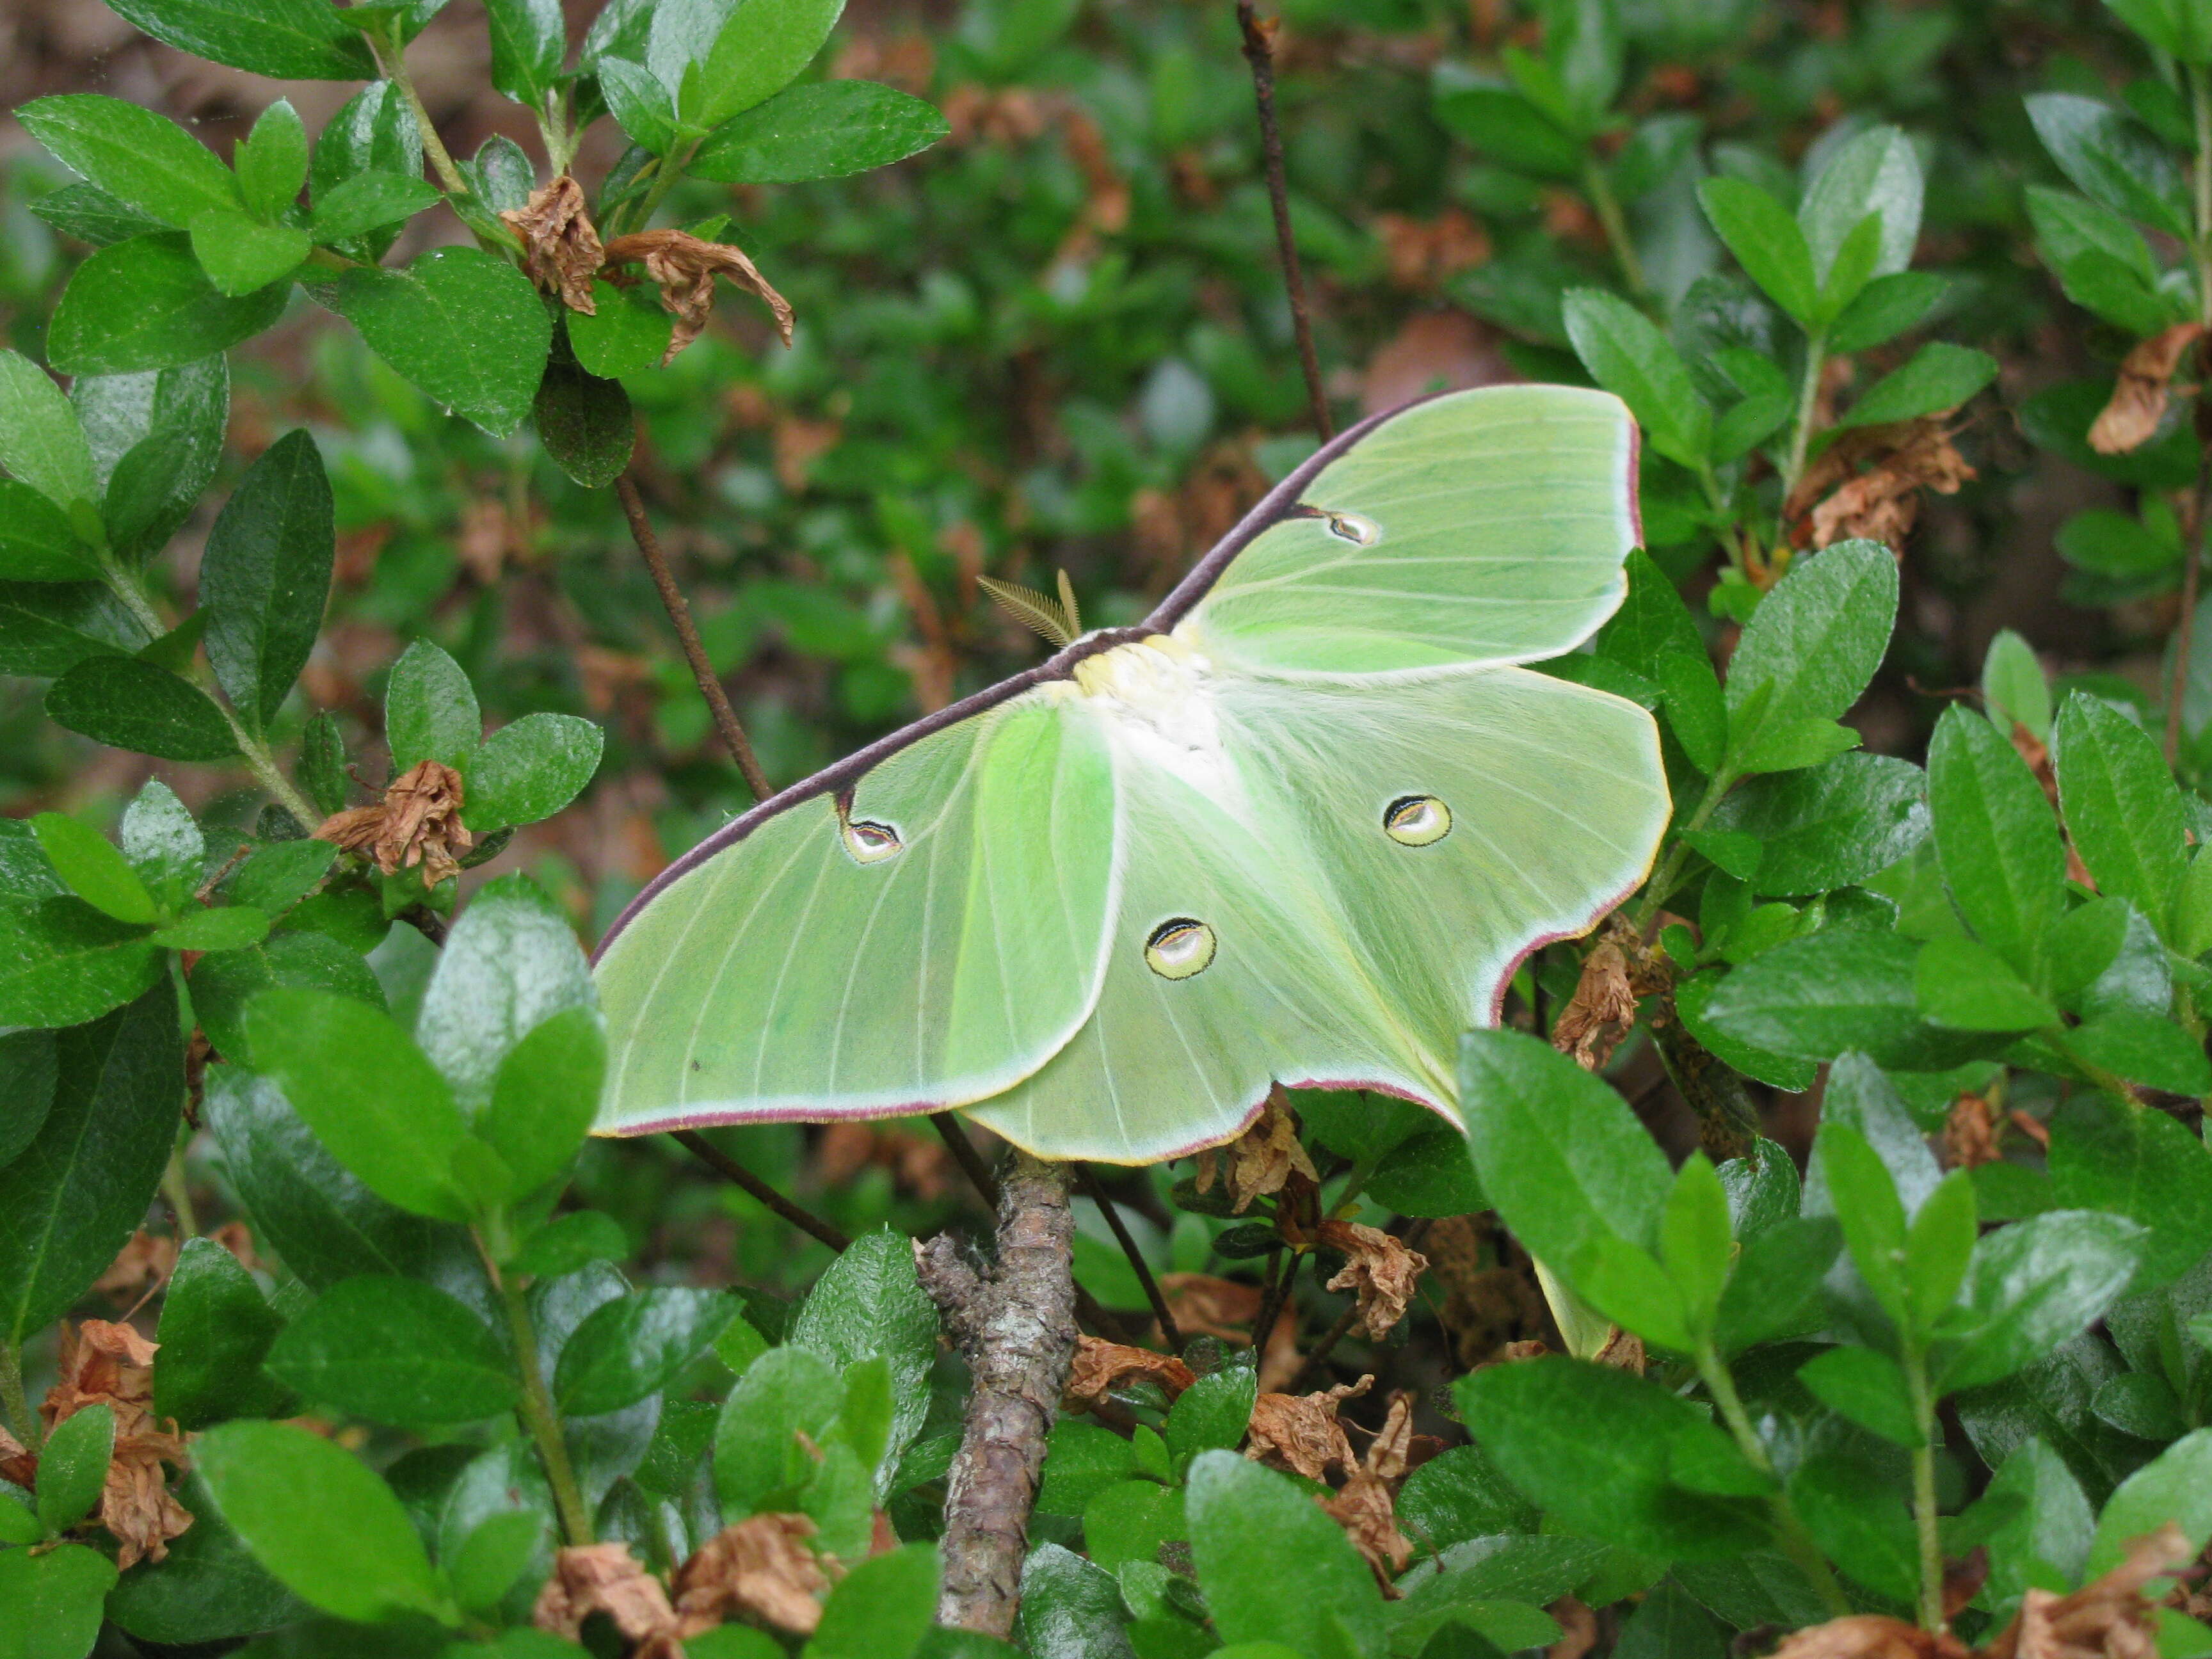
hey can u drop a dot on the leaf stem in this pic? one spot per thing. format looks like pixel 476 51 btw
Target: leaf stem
pixel 2193 513
pixel 730 1171
pixel 1809 398
pixel 1599 189
pixel 1169 1332
pixel 1923 1489
pixel 536 1409
pixel 390 60
pixel 13 1400
pixel 1669 871
pixel 1259 53
pixel 687 635
pixel 1797 1543
pixel 177 1189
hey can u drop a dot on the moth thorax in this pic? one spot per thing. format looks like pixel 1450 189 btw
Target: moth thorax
pixel 1156 697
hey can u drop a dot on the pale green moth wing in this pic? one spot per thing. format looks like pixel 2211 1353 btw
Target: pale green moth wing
pixel 924 934
pixel 1484 528
pixel 1355 878
pixel 1299 825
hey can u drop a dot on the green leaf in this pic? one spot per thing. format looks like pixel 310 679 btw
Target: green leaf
pixel 40 441
pixel 464 326
pixel 366 1091
pixel 223 986
pixel 164 448
pixel 2141 1047
pixel 635 1345
pixel 544 1098
pixel 2181 28
pixel 1867 1205
pixel 585 424
pixel 215 1330
pixel 323 1222
pixel 1070 1608
pixel 2048 1526
pixel 271 162
pixel 373 132
pixel 145 304
pixel 1831 825
pixel 511 962
pixel 318 1520
pixel 1694 1240
pixel 1428 1174
pixel 1860 1523
pixel 1815 996
pixel 53 1600
pixel 1767 242
pixel 881 1609
pixel 369 201
pixel 36 542
pixel 1775 1291
pixel 266 574
pixel 757 52
pixel 163 844
pixel 758 1461
pixel 2111 158
pixel 231 927
pixel 128 703
pixel 2176 1486
pixel 1969 987
pixel 640 103
pixel 142 160
pixel 18 1525
pixel 1560 1153
pixel 1244 1522
pixel 1878 174
pixel 569 1242
pixel 243 255
pixel 73 1465
pixel 1631 358
pixel 1885 308
pixel 394 1350
pixel 430 710
pixel 822 130
pixel 1505 126
pixel 496 1553
pixel 287 40
pixel 1940 377
pixel 2115 544
pixel 529 38
pixel 62 963
pixel 1460 1494
pixel 1813 645
pixel 869 1304
pixel 626 333
pixel 1081 1460
pixel 1211 1415
pixel 28 1077
pixel 1866 1387
pixel 2014 686
pixel 279 874
pixel 1629 1486
pixel 2034 1285
pixel 2140 1164
pixel 1938 1245
pixel 93 868
pixel 1996 839
pixel 70 1200
pixel 2121 805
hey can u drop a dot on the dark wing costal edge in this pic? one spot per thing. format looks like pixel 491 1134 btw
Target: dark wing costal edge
pixel 1278 504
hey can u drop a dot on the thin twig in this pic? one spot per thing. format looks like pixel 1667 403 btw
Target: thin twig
pixel 1169 1330
pixel 1259 52
pixel 1272 1298
pixel 679 613
pixel 965 1155
pixel 1411 1239
pixel 730 1169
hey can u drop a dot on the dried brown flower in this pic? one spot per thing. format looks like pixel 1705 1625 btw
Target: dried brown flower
pixel 760 1569
pixel 1301 1432
pixel 1366 1507
pixel 145 1260
pixel 1881 503
pixel 1262 1159
pixel 1970 1134
pixel 110 1364
pixel 418 822
pixel 1203 1305
pixel 606 1578
pixel 1101 1366
pixel 1601 1012
pixel 685 267
pixel 1379 1269
pixel 2130 418
pixel 560 249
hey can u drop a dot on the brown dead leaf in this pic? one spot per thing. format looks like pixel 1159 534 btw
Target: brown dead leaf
pixel 1379 1269
pixel 1970 1134
pixel 1366 1508
pixel 113 1365
pixel 1485 1303
pixel 1869 1636
pixel 1302 1432
pixel 606 1578
pixel 561 250
pixel 146 1261
pixel 418 822
pixel 1623 1350
pixel 1100 1367
pixel 2108 1618
pixel 1602 1011
pixel 1881 503
pixel 1262 1159
pixel 2130 418
pixel 1204 1306
pixel 1425 253
pixel 1577 1627
pixel 685 267
pixel 762 1570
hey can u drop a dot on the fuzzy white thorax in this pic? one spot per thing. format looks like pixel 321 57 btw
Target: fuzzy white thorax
pixel 1156 698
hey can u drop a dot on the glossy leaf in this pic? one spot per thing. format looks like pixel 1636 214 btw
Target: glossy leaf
pixel 266 576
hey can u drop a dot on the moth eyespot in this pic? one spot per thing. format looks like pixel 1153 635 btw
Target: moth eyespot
pixel 1352 528
pixel 1417 820
pixel 870 842
pixel 1180 948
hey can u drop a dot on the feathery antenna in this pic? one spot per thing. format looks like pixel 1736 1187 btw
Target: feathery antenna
pixel 1057 620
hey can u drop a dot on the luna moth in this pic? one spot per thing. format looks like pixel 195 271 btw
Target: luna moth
pixel 1300 825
